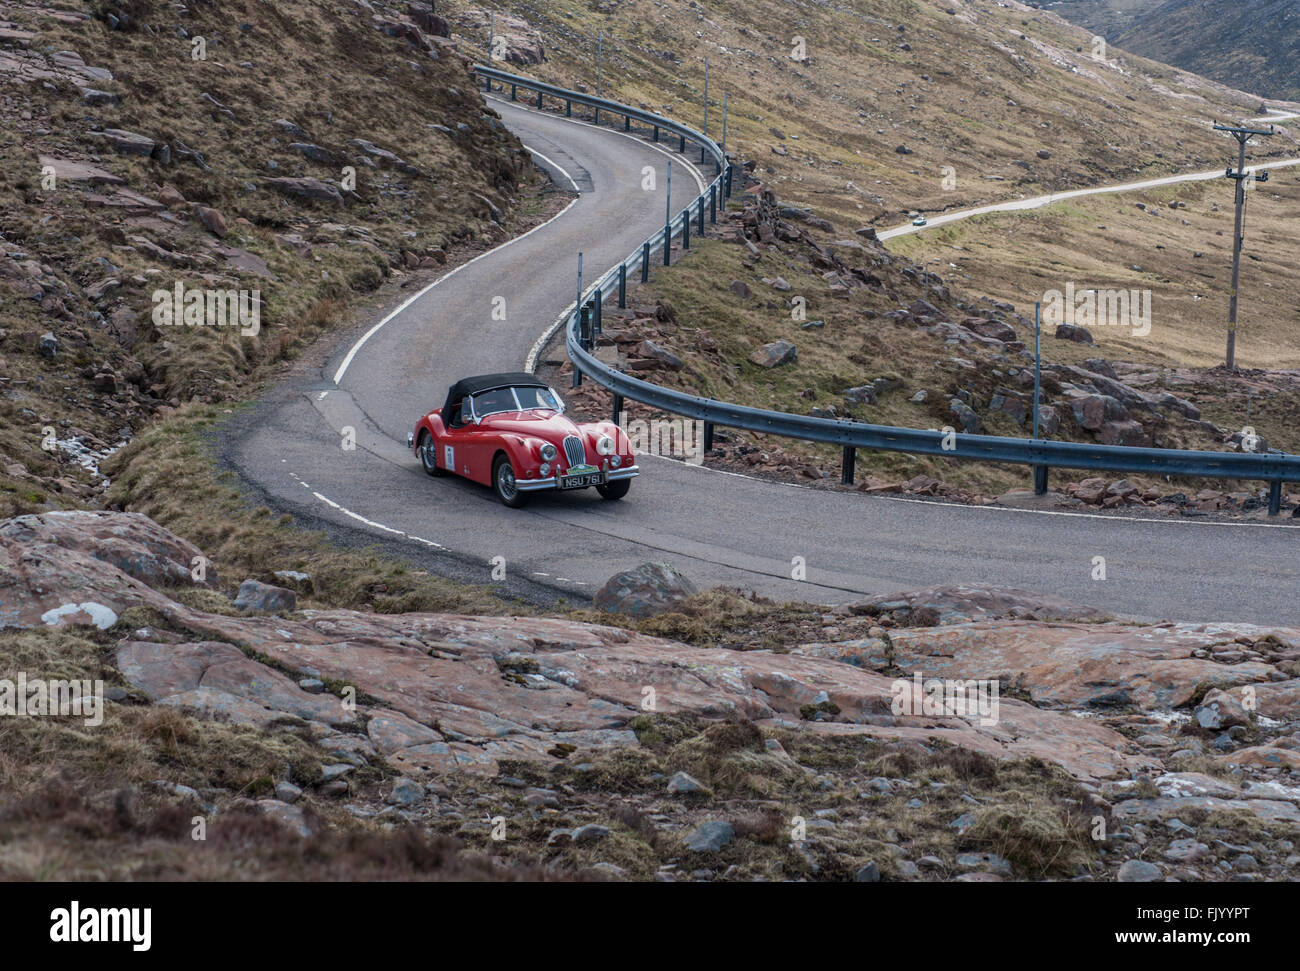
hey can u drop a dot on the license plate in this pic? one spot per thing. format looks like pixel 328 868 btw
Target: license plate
pixel 581 480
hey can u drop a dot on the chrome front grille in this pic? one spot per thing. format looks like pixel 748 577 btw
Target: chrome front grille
pixel 573 451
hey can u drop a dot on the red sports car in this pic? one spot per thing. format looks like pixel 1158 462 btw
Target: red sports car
pixel 508 431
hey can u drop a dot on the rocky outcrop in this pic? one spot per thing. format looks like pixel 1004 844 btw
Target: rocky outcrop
pixel 76 567
pixel 1070 665
pixel 439 692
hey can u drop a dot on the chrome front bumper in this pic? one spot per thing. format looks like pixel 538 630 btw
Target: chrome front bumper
pixel 536 485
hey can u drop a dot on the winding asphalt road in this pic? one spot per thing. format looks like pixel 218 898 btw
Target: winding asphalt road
pixel 717 527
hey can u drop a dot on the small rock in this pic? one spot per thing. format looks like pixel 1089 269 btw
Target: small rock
pixel 867 874
pixel 1139 871
pixel 683 784
pixel 711 836
pixel 254 595
pixel 589 833
pixel 287 792
pixel 406 792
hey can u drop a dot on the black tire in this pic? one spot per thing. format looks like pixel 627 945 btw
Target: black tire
pixel 614 490
pixel 504 485
pixel 428 453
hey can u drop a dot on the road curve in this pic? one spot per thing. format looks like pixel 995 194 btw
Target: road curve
pixel 719 528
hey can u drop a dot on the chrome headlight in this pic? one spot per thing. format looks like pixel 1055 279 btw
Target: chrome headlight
pixel 548 452
pixel 616 460
pixel 605 445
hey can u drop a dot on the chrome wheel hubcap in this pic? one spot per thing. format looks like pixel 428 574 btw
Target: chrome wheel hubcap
pixel 506 481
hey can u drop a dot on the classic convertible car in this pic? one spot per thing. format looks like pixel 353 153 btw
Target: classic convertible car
pixel 509 431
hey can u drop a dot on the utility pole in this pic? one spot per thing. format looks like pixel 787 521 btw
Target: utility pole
pixel 1242 178
pixel 600 56
pixel 706 96
pixel 724 123
pixel 1040 471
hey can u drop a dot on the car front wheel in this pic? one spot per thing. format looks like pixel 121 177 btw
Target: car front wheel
pixel 503 482
pixel 614 490
pixel 429 455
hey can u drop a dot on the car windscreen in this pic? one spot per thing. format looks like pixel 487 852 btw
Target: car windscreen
pixel 513 399
pixel 530 398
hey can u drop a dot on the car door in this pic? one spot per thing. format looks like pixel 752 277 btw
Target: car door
pixel 479 440
pixel 453 444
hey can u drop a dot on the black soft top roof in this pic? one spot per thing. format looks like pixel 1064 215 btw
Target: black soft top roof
pixel 489 382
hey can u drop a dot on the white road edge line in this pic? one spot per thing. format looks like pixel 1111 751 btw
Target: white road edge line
pixel 530 362
pixel 548 161
pixel 371 523
pixel 352 352
pixel 699 178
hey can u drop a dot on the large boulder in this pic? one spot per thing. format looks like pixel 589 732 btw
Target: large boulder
pixel 1071 332
pixel 87 567
pixel 1092 411
pixel 775 354
pixel 651 588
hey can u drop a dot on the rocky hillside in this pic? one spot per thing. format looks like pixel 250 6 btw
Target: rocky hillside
pixel 297 155
pixel 895 105
pixel 435 745
pixel 1253 46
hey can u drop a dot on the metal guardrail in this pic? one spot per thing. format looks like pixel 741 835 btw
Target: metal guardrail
pixel 584 318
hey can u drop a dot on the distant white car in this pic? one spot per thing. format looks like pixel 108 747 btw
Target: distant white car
pixel 920 221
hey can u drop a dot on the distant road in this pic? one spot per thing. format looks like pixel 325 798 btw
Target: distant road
pixel 1037 202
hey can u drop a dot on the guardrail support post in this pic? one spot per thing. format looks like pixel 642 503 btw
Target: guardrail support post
pixel 686 228
pixel 1040 480
pixel 539 99
pixel 582 327
pixel 514 91
pixel 568 108
pixel 682 147
pixel 726 185
pixel 668 244
pixel 622 286
pixel 627 123
pixel 1275 497
pixel 713 203
pixel 656 138
pixel 701 228
pixel 708 436
pixel 846 465
pixel 598 304
pixel 645 261
pixel 618 407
